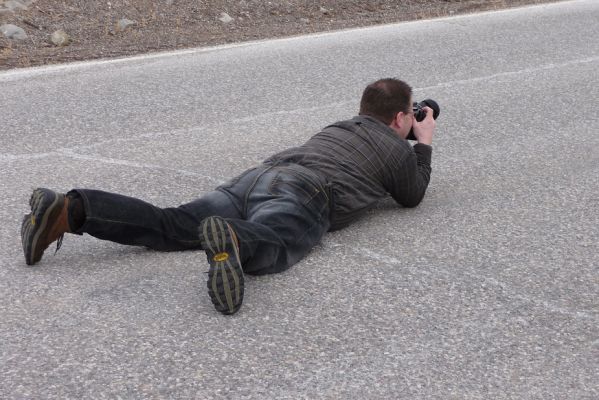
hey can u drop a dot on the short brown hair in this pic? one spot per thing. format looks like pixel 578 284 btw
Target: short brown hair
pixel 385 98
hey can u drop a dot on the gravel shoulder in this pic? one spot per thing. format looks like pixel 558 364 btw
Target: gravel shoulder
pixel 53 31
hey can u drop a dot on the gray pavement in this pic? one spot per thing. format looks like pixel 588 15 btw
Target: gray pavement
pixel 488 290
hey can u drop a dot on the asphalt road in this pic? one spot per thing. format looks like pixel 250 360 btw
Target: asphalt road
pixel 488 290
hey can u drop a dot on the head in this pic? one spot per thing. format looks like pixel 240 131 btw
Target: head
pixel 390 101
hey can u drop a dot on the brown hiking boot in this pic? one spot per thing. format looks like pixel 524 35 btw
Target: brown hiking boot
pixel 47 223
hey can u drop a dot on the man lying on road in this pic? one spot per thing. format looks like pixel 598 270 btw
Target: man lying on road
pixel 269 217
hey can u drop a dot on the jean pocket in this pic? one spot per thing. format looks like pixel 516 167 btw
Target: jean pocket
pixel 298 188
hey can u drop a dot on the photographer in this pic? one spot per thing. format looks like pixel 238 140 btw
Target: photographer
pixel 269 217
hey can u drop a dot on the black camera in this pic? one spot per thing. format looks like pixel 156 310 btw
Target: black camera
pixel 420 113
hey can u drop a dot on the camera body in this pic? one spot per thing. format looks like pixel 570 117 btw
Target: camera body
pixel 420 113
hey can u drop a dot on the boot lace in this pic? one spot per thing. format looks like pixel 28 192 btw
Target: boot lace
pixel 58 243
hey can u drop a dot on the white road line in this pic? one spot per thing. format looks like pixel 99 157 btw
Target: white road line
pixel 532 70
pixel 70 151
pixel 301 110
pixel 107 160
pixel 491 281
pixel 114 161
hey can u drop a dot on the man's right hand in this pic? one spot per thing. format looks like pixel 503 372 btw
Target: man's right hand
pixel 423 130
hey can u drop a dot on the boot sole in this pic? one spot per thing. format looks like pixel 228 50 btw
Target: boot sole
pixel 45 204
pixel 225 277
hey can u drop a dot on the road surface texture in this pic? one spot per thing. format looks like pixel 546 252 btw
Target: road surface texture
pixel 488 290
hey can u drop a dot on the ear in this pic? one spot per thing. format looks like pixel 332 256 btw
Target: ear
pixel 398 121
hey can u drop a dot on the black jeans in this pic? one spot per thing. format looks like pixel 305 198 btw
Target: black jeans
pixel 278 213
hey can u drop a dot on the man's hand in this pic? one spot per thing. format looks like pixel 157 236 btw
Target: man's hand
pixel 424 129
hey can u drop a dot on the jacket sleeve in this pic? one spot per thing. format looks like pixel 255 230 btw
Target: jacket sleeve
pixel 409 178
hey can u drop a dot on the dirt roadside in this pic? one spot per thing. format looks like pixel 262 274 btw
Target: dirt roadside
pixel 116 28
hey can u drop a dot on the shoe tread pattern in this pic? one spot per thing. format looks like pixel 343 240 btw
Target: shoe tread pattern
pixel 225 276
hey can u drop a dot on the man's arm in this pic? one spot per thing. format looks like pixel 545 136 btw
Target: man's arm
pixel 410 181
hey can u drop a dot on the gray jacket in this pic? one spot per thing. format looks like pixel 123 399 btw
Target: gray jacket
pixel 363 161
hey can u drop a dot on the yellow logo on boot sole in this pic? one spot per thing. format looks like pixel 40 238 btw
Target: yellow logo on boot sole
pixel 220 257
pixel 32 220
